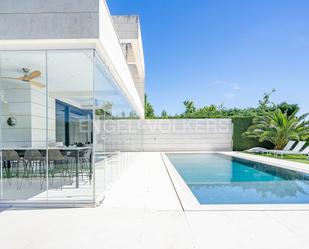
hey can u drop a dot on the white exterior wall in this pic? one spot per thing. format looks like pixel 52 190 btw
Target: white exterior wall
pixel 165 135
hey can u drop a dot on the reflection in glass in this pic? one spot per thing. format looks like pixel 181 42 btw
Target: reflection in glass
pixel 112 129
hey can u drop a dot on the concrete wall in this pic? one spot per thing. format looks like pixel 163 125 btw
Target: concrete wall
pixel 56 19
pixel 165 135
pixel 139 83
pixel 129 34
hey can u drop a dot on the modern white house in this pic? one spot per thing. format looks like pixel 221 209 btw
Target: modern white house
pixel 72 121
pixel 64 65
pixel 72 103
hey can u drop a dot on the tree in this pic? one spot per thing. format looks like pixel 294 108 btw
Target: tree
pixel 164 114
pixel 105 112
pixel 278 128
pixel 264 103
pixel 288 108
pixel 208 111
pixel 149 111
pixel 190 108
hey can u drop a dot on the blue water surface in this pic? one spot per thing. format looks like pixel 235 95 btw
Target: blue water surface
pixel 218 179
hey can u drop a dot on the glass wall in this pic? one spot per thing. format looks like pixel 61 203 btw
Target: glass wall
pixel 23 125
pixel 64 127
pixel 70 147
pixel 116 138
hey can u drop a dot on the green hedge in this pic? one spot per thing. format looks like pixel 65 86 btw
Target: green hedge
pixel 240 125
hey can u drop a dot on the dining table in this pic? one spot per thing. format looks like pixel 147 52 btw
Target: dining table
pixel 70 151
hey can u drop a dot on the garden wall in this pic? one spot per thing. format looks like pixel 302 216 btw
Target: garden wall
pixel 165 135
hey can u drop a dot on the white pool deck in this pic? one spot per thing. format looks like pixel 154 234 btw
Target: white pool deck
pixel 142 210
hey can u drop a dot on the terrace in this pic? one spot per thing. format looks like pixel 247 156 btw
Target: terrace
pixel 141 212
pixel 81 166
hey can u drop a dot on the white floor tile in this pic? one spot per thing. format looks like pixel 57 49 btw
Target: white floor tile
pixel 142 211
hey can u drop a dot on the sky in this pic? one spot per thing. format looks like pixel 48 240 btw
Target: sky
pixel 222 51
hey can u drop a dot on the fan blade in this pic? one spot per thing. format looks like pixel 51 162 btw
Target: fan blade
pixel 37 84
pixel 11 78
pixel 34 74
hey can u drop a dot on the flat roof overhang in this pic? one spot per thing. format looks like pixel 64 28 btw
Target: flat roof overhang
pixel 124 80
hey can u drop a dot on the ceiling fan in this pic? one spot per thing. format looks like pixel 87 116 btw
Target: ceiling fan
pixel 28 77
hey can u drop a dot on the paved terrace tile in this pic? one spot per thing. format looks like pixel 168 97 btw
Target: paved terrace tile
pixel 142 211
pixel 145 186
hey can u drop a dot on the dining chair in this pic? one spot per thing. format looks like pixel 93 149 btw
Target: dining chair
pixel 34 165
pixel 85 163
pixel 11 162
pixel 58 165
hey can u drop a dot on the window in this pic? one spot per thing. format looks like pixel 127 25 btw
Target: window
pixel 73 125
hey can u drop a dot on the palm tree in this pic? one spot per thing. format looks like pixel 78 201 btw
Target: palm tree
pixel 278 128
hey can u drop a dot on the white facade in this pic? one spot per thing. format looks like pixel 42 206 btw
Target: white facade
pixel 64 25
pixel 62 67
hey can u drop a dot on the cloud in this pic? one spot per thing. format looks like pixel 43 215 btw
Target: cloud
pixel 230 88
pixel 233 86
pixel 230 95
pixel 302 40
pixel 217 83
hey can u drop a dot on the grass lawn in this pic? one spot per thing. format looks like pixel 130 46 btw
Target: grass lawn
pixel 294 158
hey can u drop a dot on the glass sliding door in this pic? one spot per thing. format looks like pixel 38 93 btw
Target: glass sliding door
pixel 70 147
pixel 23 127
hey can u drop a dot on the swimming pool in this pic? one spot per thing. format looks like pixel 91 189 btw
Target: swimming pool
pixel 220 179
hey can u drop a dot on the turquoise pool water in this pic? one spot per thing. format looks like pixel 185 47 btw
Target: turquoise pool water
pixel 218 179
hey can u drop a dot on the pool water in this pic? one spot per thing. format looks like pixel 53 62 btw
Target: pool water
pixel 219 179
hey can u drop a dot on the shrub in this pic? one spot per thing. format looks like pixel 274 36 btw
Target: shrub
pixel 241 125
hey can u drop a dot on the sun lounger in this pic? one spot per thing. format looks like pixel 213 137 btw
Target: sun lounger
pixel 303 152
pixel 296 149
pixel 288 147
